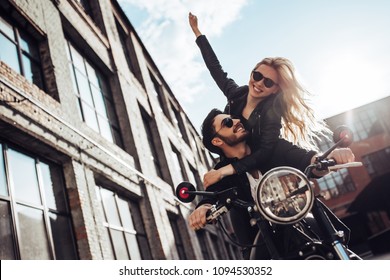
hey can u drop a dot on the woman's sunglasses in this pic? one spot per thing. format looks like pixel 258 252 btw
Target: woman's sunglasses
pixel 226 122
pixel 257 76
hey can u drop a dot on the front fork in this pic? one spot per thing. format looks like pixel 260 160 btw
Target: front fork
pixel 327 227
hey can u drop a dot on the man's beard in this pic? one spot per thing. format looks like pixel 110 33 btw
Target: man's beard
pixel 233 140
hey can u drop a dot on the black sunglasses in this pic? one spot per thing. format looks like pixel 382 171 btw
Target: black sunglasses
pixel 226 122
pixel 257 76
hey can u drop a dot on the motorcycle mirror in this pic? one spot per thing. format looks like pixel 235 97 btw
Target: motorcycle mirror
pixel 182 192
pixel 343 136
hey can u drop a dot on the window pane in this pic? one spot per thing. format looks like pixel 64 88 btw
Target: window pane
pixel 92 77
pixel 110 207
pixel 7 251
pixel 133 245
pixel 24 177
pixel 99 101
pixel 27 67
pixel 119 244
pixel 62 237
pixel 53 187
pixel 6 28
pixel 90 117
pixel 105 129
pixel 124 211
pixel 32 235
pixel 78 61
pixel 28 46
pixel 3 181
pixel 83 87
pixel 32 71
pixel 9 54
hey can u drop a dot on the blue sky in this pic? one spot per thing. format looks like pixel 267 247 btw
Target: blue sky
pixel 341 49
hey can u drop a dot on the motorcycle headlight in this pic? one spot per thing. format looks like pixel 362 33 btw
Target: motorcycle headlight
pixel 284 195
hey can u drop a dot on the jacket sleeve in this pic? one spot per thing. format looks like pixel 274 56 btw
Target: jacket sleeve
pixel 211 200
pixel 287 154
pixel 227 86
pixel 270 125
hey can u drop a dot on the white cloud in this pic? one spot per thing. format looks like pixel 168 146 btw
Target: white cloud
pixel 171 43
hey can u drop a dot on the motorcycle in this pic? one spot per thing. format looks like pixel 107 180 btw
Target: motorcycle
pixel 285 205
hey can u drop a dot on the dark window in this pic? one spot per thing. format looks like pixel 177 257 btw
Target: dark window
pixel 336 183
pixel 216 243
pixel 124 225
pixel 158 90
pixel 155 145
pixel 377 163
pixel 129 51
pixel 96 105
pixel 35 220
pixel 201 234
pixel 178 165
pixel 181 126
pixel 21 52
pixel 173 219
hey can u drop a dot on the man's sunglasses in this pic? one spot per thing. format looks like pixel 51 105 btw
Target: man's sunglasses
pixel 257 76
pixel 226 122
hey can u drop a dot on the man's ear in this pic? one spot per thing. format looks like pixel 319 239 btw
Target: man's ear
pixel 217 141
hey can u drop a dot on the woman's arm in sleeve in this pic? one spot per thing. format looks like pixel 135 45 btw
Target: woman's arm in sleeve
pixel 226 85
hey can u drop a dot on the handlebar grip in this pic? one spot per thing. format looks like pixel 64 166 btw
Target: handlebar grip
pixel 346 165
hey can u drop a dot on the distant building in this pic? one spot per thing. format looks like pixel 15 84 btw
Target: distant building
pixel 92 140
pixel 360 196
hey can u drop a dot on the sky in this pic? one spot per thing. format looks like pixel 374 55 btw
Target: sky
pixel 340 48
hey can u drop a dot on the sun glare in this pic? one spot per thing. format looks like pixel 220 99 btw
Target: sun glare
pixel 349 80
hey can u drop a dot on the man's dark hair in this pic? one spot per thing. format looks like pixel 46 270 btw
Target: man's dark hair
pixel 208 131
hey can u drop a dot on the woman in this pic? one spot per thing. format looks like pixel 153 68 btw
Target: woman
pixel 271 105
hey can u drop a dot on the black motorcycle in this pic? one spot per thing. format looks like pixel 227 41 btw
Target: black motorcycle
pixel 293 223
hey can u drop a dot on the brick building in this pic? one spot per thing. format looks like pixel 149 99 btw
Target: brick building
pixel 92 141
pixel 361 196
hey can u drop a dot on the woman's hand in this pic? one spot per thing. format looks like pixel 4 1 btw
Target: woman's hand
pixel 193 20
pixel 216 175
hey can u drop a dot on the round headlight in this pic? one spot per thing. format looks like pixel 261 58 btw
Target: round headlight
pixel 284 195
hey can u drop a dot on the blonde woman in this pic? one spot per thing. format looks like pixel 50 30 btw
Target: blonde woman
pixel 272 105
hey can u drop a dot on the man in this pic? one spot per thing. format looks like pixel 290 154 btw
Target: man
pixel 227 137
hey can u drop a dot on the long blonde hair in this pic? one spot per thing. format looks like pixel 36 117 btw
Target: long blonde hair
pixel 300 125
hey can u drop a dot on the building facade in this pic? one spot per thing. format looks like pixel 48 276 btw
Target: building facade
pixel 93 141
pixel 360 196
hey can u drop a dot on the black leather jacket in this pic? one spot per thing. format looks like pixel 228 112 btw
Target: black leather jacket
pixel 265 121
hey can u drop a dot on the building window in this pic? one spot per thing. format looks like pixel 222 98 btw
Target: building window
pixel 336 183
pixel 124 226
pixel 174 221
pixel 159 92
pixel 95 103
pixel 364 124
pixel 377 163
pixel 20 52
pixel 201 234
pixel 180 124
pixel 130 55
pixel 35 220
pixel 178 165
pixel 155 146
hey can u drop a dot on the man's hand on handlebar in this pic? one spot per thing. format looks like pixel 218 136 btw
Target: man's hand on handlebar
pixel 197 219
